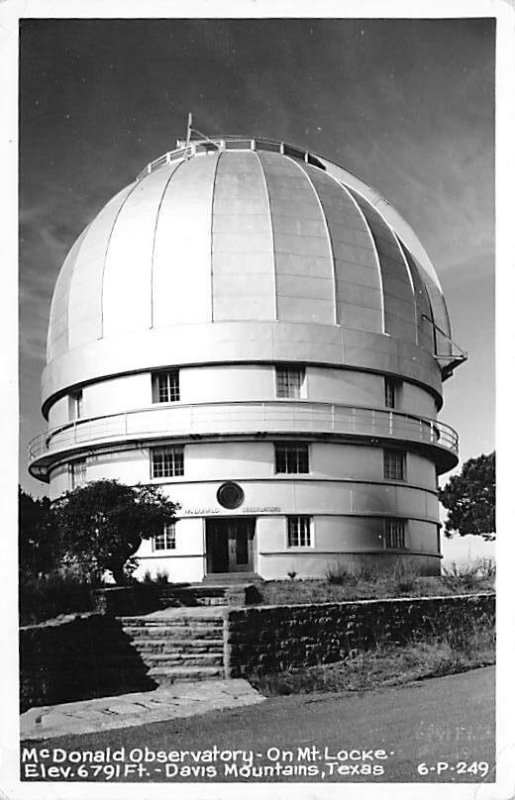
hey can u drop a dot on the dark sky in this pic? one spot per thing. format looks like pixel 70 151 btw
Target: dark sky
pixel 407 105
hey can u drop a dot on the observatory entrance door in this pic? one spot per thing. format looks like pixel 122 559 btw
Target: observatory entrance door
pixel 229 543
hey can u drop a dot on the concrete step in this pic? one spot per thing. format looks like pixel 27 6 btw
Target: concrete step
pixel 173 632
pixel 184 660
pixel 173 645
pixel 168 675
pixel 173 621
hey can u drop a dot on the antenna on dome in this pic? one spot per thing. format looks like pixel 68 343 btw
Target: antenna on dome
pixel 203 138
pixel 188 128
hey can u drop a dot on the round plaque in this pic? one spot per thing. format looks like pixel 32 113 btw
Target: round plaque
pixel 230 495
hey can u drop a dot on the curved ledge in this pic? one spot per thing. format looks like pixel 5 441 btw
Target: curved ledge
pixel 263 419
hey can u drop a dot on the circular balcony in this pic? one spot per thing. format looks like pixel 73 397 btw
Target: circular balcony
pixel 274 418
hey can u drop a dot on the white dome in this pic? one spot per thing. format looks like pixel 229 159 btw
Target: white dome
pixel 245 235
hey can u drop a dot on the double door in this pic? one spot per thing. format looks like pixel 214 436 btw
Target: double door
pixel 230 544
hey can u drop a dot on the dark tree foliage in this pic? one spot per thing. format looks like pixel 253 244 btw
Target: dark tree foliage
pixel 37 542
pixel 469 498
pixel 102 523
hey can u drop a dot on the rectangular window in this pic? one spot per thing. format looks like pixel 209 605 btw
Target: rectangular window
pixel 395 534
pixel 390 392
pixel 167 462
pixel 299 531
pixel 290 382
pixel 394 465
pixel 165 387
pixel 291 458
pixel 77 473
pixel 167 539
pixel 75 405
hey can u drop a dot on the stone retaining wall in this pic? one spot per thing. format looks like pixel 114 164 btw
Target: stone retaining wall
pixel 273 638
pixel 77 657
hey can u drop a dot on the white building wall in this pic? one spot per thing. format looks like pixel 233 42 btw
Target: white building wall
pixel 229 460
pixel 117 394
pixel 228 382
pixel 240 383
pixel 59 413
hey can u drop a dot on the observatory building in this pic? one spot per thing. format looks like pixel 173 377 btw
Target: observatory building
pixel 256 331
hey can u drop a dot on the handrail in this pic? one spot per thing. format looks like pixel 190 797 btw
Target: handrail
pixel 247 143
pixel 274 416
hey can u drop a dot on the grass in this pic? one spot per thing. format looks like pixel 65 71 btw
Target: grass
pixel 375 583
pixel 452 651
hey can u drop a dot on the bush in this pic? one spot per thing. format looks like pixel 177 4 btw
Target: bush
pixel 50 596
pixel 404 577
pixel 158 578
pixel 466 577
pixel 338 575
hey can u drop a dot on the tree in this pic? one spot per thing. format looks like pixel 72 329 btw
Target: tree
pixel 37 544
pixel 102 523
pixel 469 498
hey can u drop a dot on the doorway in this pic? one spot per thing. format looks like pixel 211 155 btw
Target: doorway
pixel 230 544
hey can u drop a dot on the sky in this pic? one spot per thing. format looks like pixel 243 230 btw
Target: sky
pixel 406 105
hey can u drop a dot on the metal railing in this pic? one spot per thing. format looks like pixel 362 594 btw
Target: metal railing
pixel 245 417
pixel 230 143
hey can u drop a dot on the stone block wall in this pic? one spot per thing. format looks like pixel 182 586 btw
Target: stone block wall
pixel 273 638
pixel 77 657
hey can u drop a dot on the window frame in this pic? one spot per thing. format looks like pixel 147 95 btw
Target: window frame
pixel 171 389
pixel 75 405
pixel 391 460
pixel 394 533
pixel 302 536
pixel 287 451
pixel 168 537
pixel 391 393
pixel 177 469
pixel 285 387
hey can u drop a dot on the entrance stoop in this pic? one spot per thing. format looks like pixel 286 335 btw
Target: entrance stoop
pixel 225 578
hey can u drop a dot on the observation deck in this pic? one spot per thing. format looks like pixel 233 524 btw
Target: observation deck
pixel 217 144
pixel 299 420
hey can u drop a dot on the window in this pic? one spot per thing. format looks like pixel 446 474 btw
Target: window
pixel 167 462
pixel 75 405
pixel 391 389
pixel 291 458
pixel 394 534
pixel 167 539
pixel 290 382
pixel 77 473
pixel 394 465
pixel 165 387
pixel 299 531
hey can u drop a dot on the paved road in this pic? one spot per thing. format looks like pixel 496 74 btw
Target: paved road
pixel 446 724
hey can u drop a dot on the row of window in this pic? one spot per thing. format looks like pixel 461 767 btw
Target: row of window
pixel 290 384
pixel 300 534
pixel 290 459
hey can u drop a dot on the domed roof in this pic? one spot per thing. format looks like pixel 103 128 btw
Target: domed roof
pixel 246 231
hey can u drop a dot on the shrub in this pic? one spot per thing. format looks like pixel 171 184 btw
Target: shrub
pixel 50 596
pixel 338 575
pixel 470 576
pixel 158 578
pixel 404 577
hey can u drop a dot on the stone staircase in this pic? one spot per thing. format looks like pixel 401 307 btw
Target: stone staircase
pixel 178 645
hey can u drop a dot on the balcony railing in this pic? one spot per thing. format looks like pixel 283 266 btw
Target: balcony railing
pixel 230 143
pixel 273 417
